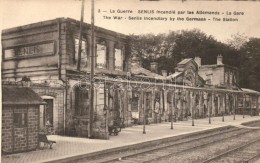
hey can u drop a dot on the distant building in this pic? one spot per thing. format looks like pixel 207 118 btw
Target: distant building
pixel 219 75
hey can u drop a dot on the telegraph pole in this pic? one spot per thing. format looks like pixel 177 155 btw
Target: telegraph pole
pixel 80 34
pixel 92 72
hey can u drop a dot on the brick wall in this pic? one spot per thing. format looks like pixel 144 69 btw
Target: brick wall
pixel 7 123
pixel 17 139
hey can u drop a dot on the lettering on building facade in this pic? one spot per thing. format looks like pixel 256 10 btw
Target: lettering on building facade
pixel 39 49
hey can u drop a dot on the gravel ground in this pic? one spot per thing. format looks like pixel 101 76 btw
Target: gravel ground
pixel 211 150
pixel 253 124
pixel 242 155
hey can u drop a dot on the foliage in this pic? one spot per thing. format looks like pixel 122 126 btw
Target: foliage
pixel 250 64
pixel 237 41
pixel 169 49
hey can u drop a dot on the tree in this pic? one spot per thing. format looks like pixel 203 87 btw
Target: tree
pixel 169 49
pixel 250 64
pixel 237 41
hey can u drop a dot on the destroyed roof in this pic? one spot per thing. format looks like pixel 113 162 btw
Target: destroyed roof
pixel 172 76
pixel 136 69
pixel 183 62
pixel 20 96
pixel 250 91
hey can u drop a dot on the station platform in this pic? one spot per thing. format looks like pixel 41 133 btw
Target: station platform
pixel 67 147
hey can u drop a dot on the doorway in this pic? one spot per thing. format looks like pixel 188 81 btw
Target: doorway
pixel 46 113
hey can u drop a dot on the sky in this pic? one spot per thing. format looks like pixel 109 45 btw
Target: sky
pixel 21 12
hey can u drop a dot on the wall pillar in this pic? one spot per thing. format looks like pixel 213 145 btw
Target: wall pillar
pixel 234 105
pixel 200 108
pixel 205 104
pixel 165 104
pixel 111 55
pixel 257 104
pixel 99 125
pixel 144 94
pixel 89 52
pixel 244 105
pixel 213 108
pixel 172 108
pixel 219 108
pixel 153 98
pixel 161 106
pixel 251 109
pixel 192 102
pixel 223 107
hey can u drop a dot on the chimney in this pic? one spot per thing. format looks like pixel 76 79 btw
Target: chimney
pixel 136 60
pixel 154 67
pixel 164 73
pixel 198 61
pixel 26 81
pixel 219 60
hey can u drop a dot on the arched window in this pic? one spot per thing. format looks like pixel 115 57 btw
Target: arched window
pixel 81 102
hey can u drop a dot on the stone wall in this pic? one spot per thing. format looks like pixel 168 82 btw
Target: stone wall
pixel 18 139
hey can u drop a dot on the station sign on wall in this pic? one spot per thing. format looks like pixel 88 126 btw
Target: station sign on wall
pixel 39 49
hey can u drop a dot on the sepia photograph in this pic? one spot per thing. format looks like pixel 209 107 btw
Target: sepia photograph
pixel 107 81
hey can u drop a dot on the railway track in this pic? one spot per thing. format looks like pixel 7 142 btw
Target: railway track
pixel 176 148
pixel 181 152
pixel 246 153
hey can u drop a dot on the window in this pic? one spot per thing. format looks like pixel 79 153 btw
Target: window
pixel 101 55
pixel 81 102
pixel 135 99
pixel 20 119
pixel 234 78
pixel 209 79
pixel 231 78
pixel 83 59
pixel 118 60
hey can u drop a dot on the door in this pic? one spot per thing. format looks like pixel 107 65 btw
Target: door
pixel 49 112
pixel 46 113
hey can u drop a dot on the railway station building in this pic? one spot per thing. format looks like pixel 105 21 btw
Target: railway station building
pixel 46 55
